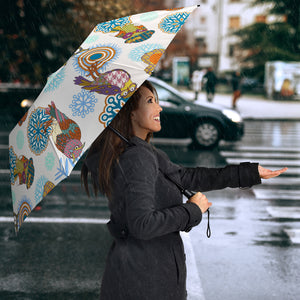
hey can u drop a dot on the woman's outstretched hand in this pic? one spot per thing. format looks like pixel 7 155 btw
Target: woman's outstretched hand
pixel 267 174
pixel 201 201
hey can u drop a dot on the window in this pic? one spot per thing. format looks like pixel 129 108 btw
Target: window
pixel 203 20
pixel 231 50
pixel 260 19
pixel 234 22
pixel 166 98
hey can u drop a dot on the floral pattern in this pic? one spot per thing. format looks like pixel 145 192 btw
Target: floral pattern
pixel 112 107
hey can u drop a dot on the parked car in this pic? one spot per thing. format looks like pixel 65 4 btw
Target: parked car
pixel 206 123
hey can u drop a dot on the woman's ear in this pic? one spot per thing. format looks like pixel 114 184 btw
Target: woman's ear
pixel 132 115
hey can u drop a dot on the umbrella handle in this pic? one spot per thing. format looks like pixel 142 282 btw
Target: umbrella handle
pixel 190 194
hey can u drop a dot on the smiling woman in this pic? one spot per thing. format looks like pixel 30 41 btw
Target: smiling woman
pixel 146 118
pixel 147 259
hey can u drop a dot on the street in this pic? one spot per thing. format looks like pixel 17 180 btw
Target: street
pixel 252 253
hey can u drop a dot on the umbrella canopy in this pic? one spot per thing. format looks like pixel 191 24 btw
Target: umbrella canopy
pixel 80 100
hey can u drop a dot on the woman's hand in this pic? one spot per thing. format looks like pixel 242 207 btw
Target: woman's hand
pixel 201 201
pixel 266 174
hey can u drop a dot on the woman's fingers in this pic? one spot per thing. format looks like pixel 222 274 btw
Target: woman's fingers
pixel 267 174
pixel 201 200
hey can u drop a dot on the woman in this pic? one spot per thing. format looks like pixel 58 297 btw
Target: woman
pixel 147 260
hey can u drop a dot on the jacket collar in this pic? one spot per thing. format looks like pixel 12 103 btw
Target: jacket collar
pixel 139 142
pixel 93 161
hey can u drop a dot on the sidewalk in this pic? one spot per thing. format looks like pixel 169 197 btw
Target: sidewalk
pixel 256 107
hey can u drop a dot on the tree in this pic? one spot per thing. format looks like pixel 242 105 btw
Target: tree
pixel 279 40
pixel 38 36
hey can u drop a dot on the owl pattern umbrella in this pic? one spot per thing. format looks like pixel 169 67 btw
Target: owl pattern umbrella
pixel 80 100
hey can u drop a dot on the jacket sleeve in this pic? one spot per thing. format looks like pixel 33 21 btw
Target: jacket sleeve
pixel 243 175
pixel 208 179
pixel 143 220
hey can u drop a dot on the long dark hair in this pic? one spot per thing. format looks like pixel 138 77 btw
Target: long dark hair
pixel 109 146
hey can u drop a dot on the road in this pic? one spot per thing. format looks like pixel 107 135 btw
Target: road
pixel 252 254
pixel 254 249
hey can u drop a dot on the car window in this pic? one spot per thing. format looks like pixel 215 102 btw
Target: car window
pixel 167 104
pixel 167 98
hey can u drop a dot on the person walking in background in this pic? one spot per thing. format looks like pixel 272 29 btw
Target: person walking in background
pixel 197 82
pixel 236 87
pixel 210 80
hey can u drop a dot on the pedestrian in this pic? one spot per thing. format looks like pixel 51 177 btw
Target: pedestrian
pixel 146 259
pixel 236 87
pixel 196 81
pixel 210 80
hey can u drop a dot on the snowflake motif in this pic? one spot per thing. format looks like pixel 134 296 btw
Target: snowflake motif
pixel 38 136
pixel 12 164
pixel 39 190
pixel 112 107
pixel 55 80
pixel 173 23
pixel 108 26
pixel 83 103
pixel 64 170
pixel 49 161
pixel 138 52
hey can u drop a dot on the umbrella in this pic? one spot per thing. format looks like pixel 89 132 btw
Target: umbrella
pixel 81 98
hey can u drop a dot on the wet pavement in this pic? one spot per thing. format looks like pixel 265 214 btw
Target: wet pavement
pixel 249 255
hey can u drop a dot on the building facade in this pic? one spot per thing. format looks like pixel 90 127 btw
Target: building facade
pixel 212 28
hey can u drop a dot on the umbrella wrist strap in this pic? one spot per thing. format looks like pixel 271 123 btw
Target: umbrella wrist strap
pixel 208 231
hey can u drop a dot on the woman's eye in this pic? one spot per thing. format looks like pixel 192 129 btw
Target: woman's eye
pixel 150 100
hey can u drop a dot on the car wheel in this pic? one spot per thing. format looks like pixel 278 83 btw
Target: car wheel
pixel 206 134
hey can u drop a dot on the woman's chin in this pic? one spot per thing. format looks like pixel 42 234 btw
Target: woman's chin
pixel 157 129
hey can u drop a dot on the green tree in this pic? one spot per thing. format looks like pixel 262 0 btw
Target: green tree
pixel 279 40
pixel 38 36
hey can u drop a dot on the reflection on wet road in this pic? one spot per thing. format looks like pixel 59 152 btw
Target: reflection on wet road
pixel 252 254
pixel 254 247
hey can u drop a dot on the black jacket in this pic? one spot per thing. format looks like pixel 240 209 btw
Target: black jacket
pixel 148 262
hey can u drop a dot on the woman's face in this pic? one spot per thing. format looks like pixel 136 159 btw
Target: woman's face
pixel 146 118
